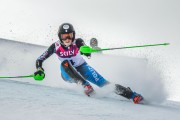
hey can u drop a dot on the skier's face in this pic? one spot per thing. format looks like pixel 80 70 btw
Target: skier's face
pixel 67 42
pixel 67 38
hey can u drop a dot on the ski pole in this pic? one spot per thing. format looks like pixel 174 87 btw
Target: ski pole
pixel 36 77
pixel 87 49
pixel 19 76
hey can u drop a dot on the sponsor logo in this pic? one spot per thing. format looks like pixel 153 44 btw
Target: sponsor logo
pixel 67 53
pixel 66 27
pixel 94 73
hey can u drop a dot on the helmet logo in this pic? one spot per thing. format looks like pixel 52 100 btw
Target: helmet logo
pixel 66 27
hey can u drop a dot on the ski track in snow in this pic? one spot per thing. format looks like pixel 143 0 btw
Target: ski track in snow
pixel 30 101
pixel 53 99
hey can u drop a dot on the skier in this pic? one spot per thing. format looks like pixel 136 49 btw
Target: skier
pixel 74 68
pixel 94 43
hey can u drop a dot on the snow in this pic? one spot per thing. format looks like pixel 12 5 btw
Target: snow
pixel 29 101
pixel 54 99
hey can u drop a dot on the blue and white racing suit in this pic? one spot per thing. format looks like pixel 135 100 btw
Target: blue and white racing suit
pixel 88 73
pixel 73 55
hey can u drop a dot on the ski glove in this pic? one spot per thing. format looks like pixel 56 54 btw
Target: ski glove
pixel 39 74
pixel 88 55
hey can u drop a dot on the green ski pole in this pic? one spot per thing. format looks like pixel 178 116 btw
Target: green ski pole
pixel 87 49
pixel 27 76
pixel 37 77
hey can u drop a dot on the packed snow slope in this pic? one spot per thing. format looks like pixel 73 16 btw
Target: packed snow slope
pixel 54 99
pixel 24 101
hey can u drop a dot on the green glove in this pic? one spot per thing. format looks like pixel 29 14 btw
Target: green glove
pixel 39 74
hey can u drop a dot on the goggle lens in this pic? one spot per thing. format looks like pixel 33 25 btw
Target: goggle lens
pixel 67 36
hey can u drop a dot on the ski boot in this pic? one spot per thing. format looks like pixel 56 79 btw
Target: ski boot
pixel 128 93
pixel 88 90
pixel 137 98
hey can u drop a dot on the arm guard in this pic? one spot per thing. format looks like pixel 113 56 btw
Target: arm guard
pixel 80 42
pixel 45 55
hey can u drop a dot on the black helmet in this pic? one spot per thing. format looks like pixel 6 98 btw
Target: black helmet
pixel 66 28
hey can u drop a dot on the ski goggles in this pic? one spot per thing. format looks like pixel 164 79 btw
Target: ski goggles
pixel 67 36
